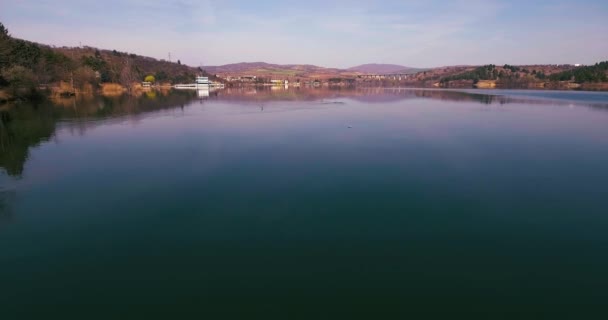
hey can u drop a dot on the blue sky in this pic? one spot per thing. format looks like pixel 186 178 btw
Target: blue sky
pixel 340 33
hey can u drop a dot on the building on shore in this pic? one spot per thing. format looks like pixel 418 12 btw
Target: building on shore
pixel 279 82
pixel 241 78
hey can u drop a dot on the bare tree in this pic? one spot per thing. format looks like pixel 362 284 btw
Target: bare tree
pixel 127 76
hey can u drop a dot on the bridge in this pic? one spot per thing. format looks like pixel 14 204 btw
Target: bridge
pixel 393 76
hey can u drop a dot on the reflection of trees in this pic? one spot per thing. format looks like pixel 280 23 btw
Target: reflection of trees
pixel 268 94
pixel 365 94
pixel 368 95
pixel 396 94
pixel 25 126
pixel 384 95
pixel 94 108
pixel 459 96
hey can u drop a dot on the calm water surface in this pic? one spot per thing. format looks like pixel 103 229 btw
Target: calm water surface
pixel 307 204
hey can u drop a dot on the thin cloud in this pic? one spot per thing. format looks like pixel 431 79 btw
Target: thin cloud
pixel 327 33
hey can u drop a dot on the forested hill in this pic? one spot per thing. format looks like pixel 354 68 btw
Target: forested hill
pixel 597 73
pixel 28 64
pixel 594 73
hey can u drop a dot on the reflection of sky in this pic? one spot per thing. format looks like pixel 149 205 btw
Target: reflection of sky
pixel 306 122
pixel 332 109
pixel 450 124
pixel 222 197
pixel 384 95
pixel 7 199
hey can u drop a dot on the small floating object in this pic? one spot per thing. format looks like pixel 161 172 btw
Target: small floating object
pixel 350 127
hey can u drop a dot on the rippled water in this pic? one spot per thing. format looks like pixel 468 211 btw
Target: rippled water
pixel 306 204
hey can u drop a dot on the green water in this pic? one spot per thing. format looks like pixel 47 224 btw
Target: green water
pixel 306 204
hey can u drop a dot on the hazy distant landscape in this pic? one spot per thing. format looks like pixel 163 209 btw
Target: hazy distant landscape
pixel 307 71
pixel 29 69
pixel 320 159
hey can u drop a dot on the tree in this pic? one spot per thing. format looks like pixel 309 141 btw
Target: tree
pixel 161 76
pixel 179 62
pixel 3 30
pixel 596 73
pixel 19 77
pixel 150 79
pixel 83 76
pixel 5 46
pixel 127 77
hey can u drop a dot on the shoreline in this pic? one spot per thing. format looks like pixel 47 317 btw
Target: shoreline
pixel 114 89
pixel 546 86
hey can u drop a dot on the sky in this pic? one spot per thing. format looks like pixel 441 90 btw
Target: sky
pixel 338 33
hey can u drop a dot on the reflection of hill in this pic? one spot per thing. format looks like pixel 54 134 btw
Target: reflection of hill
pixel 384 95
pixel 28 125
pixel 387 95
pixel 268 94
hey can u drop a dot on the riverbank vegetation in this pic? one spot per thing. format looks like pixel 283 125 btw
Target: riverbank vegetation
pixel 595 73
pixel 492 72
pixel 560 77
pixel 29 70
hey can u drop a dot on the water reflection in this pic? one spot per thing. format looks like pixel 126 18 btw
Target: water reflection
pixel 7 199
pixel 28 125
pixel 203 93
pixel 21 128
pixel 384 95
pixel 24 126
pixel 446 198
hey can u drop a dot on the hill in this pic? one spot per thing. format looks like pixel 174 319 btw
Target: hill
pixel 593 77
pixel 303 71
pixel 25 66
pixel 596 73
pixel 285 71
pixel 375 68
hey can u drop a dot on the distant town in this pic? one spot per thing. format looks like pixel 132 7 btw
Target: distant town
pixel 565 76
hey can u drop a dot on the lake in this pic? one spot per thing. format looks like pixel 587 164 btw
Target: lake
pixel 306 204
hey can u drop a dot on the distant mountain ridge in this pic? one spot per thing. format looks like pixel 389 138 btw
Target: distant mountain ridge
pixel 279 71
pixel 376 68
pixel 305 70
pixel 253 66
